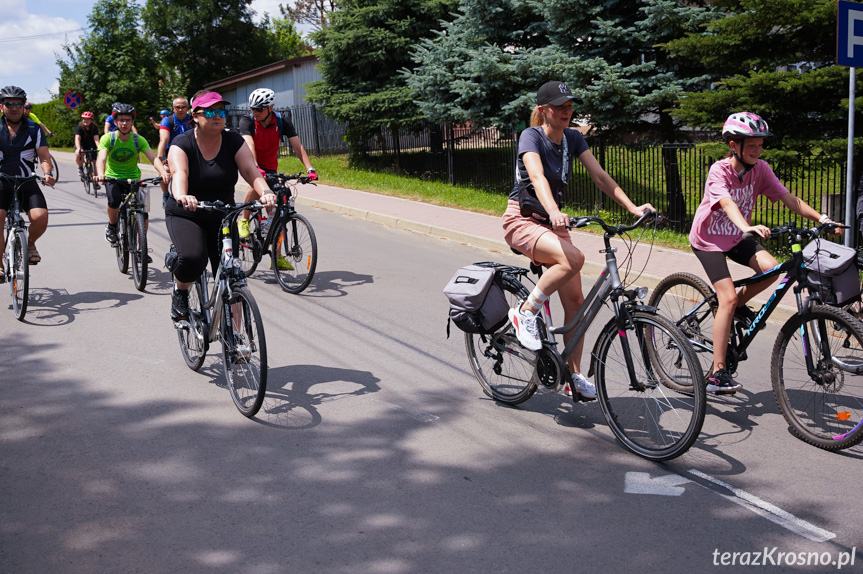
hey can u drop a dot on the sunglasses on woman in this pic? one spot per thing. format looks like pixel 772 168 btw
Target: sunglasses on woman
pixel 214 113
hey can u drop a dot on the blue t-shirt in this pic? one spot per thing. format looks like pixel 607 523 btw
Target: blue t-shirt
pixel 180 126
pixel 112 126
pixel 535 140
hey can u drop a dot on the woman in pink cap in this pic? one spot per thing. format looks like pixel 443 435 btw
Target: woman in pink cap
pixel 204 163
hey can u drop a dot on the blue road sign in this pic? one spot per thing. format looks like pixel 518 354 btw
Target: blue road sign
pixel 72 100
pixel 849 36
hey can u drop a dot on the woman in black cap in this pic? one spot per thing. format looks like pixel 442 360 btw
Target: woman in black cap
pixel 545 154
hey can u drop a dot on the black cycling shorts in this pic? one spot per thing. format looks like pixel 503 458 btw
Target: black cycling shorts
pixel 116 192
pixel 716 266
pixel 31 196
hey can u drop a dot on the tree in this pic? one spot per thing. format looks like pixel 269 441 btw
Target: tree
pixel 113 62
pixel 606 51
pixel 313 12
pixel 362 51
pixel 207 39
pixel 285 41
pixel 774 58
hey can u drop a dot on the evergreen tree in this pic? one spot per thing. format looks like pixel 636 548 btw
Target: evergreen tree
pixel 362 51
pixel 774 58
pixel 606 51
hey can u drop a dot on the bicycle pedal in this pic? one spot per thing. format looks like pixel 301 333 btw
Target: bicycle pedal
pixel 182 324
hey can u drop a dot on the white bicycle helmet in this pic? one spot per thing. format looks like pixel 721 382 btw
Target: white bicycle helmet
pixel 262 97
pixel 745 125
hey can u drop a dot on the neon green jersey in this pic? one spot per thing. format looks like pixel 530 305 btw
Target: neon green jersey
pixel 123 157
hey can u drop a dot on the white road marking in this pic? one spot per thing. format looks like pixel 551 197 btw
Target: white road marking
pixel 641 483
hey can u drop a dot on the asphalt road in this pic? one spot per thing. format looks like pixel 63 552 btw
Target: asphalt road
pixel 376 450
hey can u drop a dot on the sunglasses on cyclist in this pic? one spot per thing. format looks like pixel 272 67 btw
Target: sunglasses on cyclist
pixel 180 107
pixel 259 109
pixel 214 113
pixel 13 105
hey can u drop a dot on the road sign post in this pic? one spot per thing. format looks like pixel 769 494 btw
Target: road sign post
pixel 849 52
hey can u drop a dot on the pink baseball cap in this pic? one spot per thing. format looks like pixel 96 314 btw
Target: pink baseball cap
pixel 208 99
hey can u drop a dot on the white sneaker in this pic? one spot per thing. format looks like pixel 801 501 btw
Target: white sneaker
pixel 583 387
pixel 566 389
pixel 525 328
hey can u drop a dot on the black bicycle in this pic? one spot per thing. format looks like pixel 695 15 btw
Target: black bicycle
pixel 817 361
pixel 639 362
pixel 16 263
pixel 224 310
pixel 89 168
pixel 131 245
pixel 287 235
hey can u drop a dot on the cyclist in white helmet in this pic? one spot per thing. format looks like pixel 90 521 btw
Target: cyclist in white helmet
pixel 263 130
pixel 724 215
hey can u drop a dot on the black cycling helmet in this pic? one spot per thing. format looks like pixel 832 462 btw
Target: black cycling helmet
pixel 13 92
pixel 126 109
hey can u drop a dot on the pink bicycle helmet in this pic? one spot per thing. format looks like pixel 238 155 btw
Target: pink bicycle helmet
pixel 745 125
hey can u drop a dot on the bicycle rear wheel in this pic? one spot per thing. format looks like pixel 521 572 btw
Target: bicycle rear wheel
pixel 193 334
pixel 294 253
pixel 19 273
pixel 676 298
pixel 250 249
pixel 54 167
pixel 138 250
pixel 825 407
pixel 122 246
pixel 647 417
pixel 244 351
pixel 505 370
pixel 88 177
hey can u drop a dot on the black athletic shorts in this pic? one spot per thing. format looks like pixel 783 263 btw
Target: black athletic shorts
pixel 716 266
pixel 31 196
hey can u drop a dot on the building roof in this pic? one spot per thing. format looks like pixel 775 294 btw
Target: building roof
pixel 269 68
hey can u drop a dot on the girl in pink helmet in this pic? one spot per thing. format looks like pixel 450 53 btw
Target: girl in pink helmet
pixel 724 215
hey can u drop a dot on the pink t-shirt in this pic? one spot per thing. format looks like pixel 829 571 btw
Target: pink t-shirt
pixel 711 228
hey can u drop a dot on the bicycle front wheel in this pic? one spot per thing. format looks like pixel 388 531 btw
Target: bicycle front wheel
pixel 122 246
pixel 249 249
pixel 193 334
pixel 138 250
pixel 294 253
pixel 682 297
pixel 649 418
pixel 824 407
pixel 19 271
pixel 244 351
pixel 87 179
pixel 505 370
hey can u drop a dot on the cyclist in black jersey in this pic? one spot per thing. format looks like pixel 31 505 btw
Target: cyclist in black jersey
pixel 21 143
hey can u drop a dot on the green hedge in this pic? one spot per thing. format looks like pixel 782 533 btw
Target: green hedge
pixel 62 121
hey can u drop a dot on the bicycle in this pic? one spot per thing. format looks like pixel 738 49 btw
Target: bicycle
pixel 131 241
pixel 16 264
pixel 227 312
pixel 639 359
pixel 293 247
pixel 54 167
pixel 817 361
pixel 89 167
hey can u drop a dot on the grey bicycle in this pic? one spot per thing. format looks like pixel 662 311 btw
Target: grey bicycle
pixel 16 265
pixel 639 361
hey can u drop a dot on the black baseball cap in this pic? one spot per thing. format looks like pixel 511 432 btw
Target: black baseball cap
pixel 556 94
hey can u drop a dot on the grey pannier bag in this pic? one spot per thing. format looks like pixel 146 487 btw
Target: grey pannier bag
pixel 476 299
pixel 832 271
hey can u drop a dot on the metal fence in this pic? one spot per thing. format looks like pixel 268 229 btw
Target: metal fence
pixel 670 176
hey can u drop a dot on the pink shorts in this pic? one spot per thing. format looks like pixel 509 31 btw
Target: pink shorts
pixel 522 233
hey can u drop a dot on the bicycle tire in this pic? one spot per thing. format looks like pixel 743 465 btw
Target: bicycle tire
pixel 122 246
pixel 653 421
pixel 674 297
pixel 193 336
pixel 87 179
pixel 138 250
pixel 55 167
pixel 19 274
pixel 505 370
pixel 250 249
pixel 294 242
pixel 827 414
pixel 244 352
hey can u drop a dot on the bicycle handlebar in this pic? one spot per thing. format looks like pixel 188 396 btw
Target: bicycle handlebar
pixel 282 178
pixel 141 182
pixel 23 178
pixel 804 232
pixel 219 205
pixel 584 221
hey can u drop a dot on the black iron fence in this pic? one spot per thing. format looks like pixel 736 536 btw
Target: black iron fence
pixel 670 176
